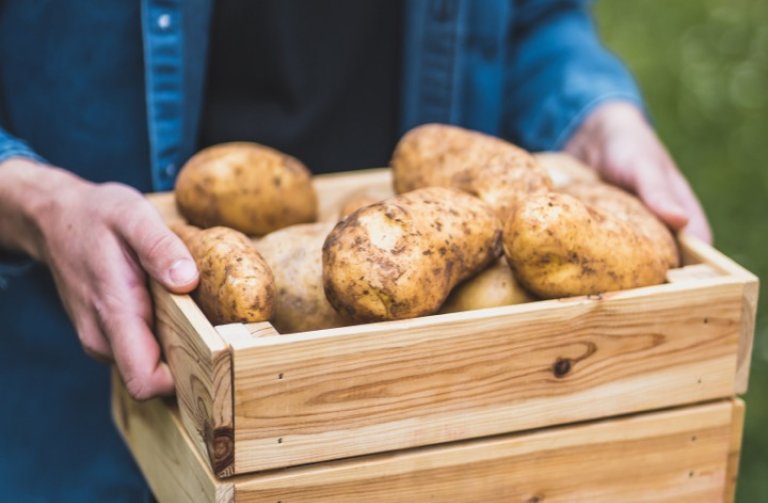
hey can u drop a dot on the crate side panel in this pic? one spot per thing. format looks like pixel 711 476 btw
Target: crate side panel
pixel 202 370
pixel 310 398
pixel 672 456
pixel 695 251
pixel 734 453
pixel 166 455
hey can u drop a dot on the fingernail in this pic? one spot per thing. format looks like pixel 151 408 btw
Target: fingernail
pixel 183 272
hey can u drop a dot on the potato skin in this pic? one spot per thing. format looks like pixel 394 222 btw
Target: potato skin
pixel 495 286
pixel 564 169
pixel 245 186
pixel 623 205
pixel 401 257
pixel 439 155
pixel 295 255
pixel 236 284
pixel 560 247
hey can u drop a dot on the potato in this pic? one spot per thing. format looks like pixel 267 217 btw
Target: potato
pixel 559 247
pixel 401 257
pixel 496 286
pixel 564 169
pixel 437 155
pixel 245 186
pixel 356 202
pixel 295 255
pixel 620 204
pixel 236 284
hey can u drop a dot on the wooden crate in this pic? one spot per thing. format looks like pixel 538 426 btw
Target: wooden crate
pixel 252 399
pixel 688 454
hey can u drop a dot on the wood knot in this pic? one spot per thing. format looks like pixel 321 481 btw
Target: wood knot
pixel 534 499
pixel 561 367
pixel 221 448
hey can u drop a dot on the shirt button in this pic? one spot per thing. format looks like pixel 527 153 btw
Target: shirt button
pixel 164 21
pixel 170 170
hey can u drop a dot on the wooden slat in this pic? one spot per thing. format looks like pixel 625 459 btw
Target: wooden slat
pixel 734 451
pixel 692 273
pixel 201 364
pixel 343 392
pixel 164 452
pixel 679 455
pixel 676 456
pixel 696 251
pixel 336 189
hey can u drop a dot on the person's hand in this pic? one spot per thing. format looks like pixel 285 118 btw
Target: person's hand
pixel 98 241
pixel 619 143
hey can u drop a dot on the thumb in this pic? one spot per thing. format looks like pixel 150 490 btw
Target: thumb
pixel 656 191
pixel 161 253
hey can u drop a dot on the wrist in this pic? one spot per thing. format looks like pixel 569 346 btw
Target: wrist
pixel 608 121
pixel 30 195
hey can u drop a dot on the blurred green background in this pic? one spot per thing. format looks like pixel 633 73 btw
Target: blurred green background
pixel 703 68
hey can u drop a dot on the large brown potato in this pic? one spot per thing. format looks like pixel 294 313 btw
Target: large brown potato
pixel 236 284
pixel 559 247
pixel 295 255
pixel 401 257
pixel 620 204
pixel 245 186
pixel 495 286
pixel 438 155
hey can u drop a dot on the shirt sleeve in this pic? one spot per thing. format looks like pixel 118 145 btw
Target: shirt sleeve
pixel 11 146
pixel 13 264
pixel 558 73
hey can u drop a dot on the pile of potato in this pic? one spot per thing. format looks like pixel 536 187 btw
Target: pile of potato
pixel 476 222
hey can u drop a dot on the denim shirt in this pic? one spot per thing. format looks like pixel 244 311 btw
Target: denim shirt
pixel 528 71
pixel 113 91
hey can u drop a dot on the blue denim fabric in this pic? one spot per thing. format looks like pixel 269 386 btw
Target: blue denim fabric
pixel 113 90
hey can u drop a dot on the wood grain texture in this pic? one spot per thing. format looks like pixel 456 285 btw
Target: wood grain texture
pixel 343 392
pixel 696 251
pixel 679 455
pixel 734 451
pixel 673 456
pixel 164 452
pixel 200 361
pixel 692 273
pixel 335 189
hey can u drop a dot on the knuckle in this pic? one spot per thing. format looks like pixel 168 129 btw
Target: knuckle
pixel 92 348
pixel 122 201
pixel 88 340
pixel 160 247
pixel 138 387
pixel 119 190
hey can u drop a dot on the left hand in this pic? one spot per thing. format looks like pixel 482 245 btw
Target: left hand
pixel 618 142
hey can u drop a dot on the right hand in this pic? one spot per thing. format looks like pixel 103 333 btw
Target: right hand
pixel 101 242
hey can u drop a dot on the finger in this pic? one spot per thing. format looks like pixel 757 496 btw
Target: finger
pixel 92 340
pixel 698 224
pixel 161 253
pixel 137 355
pixel 654 187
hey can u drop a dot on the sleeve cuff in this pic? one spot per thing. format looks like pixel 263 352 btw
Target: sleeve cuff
pixel 14 147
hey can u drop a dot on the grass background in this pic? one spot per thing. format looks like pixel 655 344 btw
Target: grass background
pixel 703 67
